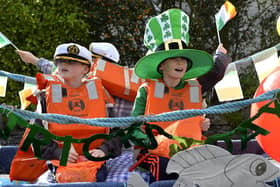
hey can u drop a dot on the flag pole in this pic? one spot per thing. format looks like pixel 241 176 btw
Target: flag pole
pixel 14 45
pixel 218 33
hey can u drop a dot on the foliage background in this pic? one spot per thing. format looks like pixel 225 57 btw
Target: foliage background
pixel 37 26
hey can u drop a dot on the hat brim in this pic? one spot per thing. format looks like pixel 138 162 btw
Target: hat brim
pixel 147 66
pixel 73 58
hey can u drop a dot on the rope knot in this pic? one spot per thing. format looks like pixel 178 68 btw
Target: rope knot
pixel 9 107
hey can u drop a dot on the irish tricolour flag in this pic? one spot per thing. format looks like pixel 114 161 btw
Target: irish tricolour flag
pixel 226 12
pixel 4 40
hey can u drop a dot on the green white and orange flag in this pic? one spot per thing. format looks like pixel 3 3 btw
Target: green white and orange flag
pixel 4 40
pixel 226 13
pixel 265 62
pixel 3 85
pixel 229 87
pixel 26 92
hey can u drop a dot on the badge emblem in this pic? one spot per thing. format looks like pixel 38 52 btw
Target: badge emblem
pixel 175 105
pixel 76 105
pixel 73 49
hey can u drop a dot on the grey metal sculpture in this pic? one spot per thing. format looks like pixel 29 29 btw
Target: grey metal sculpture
pixel 135 180
pixel 212 166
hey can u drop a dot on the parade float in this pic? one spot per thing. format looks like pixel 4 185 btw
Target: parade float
pixel 237 163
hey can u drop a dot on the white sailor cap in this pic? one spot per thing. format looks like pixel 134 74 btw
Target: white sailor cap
pixel 73 52
pixel 106 50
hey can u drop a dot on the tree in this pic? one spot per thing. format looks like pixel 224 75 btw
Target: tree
pixel 37 26
pixel 121 23
pixel 252 30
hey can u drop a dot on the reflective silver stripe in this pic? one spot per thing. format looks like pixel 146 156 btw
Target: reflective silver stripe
pixel 159 90
pixel 56 93
pixel 134 77
pixel 101 65
pixel 126 81
pixel 91 89
pixel 193 83
pixel 48 77
pixel 194 94
pixel 194 91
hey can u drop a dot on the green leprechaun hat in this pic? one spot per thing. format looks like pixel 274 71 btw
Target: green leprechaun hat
pixel 167 36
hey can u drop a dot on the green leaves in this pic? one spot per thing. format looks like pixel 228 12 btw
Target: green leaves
pixel 121 23
pixel 184 143
pixel 37 26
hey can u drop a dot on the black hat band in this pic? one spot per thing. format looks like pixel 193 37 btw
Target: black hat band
pixel 172 44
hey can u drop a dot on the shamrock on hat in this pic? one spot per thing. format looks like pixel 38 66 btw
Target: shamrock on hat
pixel 167 36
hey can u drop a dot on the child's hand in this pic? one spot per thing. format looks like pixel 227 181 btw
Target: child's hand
pixel 27 57
pixel 221 49
pixel 98 153
pixel 205 124
pixel 73 155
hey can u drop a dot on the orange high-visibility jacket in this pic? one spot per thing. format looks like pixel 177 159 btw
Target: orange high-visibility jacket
pixel 161 98
pixel 120 81
pixel 87 101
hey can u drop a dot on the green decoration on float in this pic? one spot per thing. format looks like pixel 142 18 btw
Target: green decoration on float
pixel 133 133
pixel 242 129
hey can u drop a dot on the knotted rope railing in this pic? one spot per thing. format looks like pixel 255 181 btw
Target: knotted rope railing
pixel 18 77
pixel 21 117
pixel 126 121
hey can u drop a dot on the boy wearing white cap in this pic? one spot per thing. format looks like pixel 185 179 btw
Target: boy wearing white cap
pixel 99 50
pixel 68 93
pixel 122 107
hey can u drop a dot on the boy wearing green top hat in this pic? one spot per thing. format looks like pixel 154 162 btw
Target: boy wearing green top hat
pixel 176 76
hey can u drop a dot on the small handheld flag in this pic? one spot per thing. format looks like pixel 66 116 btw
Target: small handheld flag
pixel 5 41
pixel 226 12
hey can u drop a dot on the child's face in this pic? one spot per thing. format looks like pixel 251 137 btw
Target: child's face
pixel 174 67
pixel 70 70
